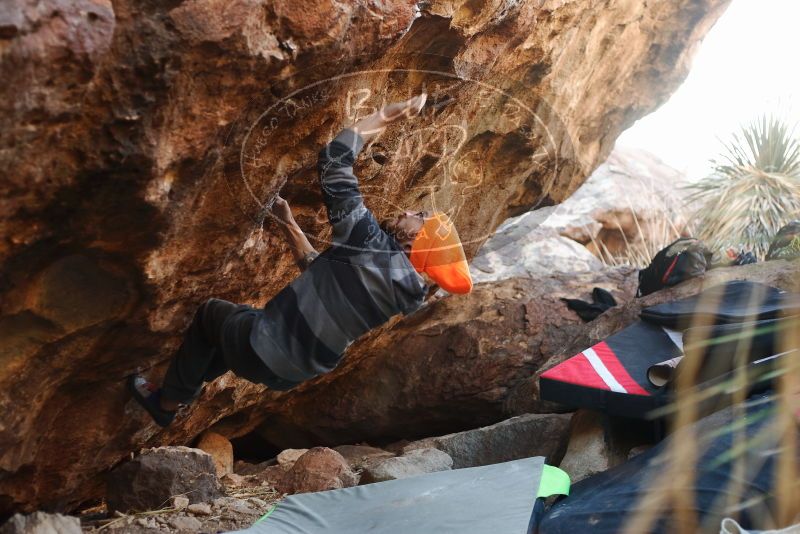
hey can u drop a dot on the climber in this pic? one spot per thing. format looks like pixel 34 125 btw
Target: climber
pixel 370 273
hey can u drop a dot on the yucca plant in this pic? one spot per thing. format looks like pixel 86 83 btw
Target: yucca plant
pixel 753 190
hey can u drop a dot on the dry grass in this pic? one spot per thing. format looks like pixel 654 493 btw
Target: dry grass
pixel 665 222
pixel 266 493
pixel 640 250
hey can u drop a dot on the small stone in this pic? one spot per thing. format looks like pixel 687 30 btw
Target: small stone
pixel 180 502
pixel 240 507
pixel 245 469
pixel 231 507
pixel 220 449
pixel 319 469
pixel 186 523
pixel 232 479
pixel 591 448
pixel 200 508
pixel 257 502
pixel 152 478
pixel 272 475
pixel 287 458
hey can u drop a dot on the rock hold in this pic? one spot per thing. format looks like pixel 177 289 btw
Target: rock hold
pixel 152 479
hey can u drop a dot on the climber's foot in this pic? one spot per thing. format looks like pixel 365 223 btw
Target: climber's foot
pixel 148 395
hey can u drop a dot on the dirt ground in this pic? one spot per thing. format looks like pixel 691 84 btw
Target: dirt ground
pixel 239 509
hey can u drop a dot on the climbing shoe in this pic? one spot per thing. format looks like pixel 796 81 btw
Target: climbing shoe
pixel 148 395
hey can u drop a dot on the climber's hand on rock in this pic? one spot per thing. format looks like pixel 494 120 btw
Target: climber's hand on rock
pixel 373 124
pixel 406 109
pixel 302 250
pixel 282 211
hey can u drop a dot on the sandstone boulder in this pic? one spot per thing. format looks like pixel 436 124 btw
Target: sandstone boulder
pixel 220 450
pixel 512 439
pixel 632 200
pixel 41 523
pixel 149 481
pixel 319 469
pixel 459 363
pixel 590 450
pixel 474 360
pixel 523 248
pixel 410 464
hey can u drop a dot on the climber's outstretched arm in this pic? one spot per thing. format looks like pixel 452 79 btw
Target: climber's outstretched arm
pixel 373 124
pixel 339 184
pixel 302 251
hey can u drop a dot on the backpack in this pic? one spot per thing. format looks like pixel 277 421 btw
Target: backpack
pixel 681 260
pixel 786 243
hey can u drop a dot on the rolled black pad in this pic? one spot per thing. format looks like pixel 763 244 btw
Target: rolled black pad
pixel 734 302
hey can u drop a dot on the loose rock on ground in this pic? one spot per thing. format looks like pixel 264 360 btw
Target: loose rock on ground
pixel 152 479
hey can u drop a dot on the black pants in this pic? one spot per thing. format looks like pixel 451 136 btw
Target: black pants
pixel 218 340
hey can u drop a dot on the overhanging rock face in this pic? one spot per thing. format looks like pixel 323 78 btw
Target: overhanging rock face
pixel 140 143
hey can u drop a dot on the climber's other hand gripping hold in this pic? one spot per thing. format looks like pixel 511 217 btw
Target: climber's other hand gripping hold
pixel 302 250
